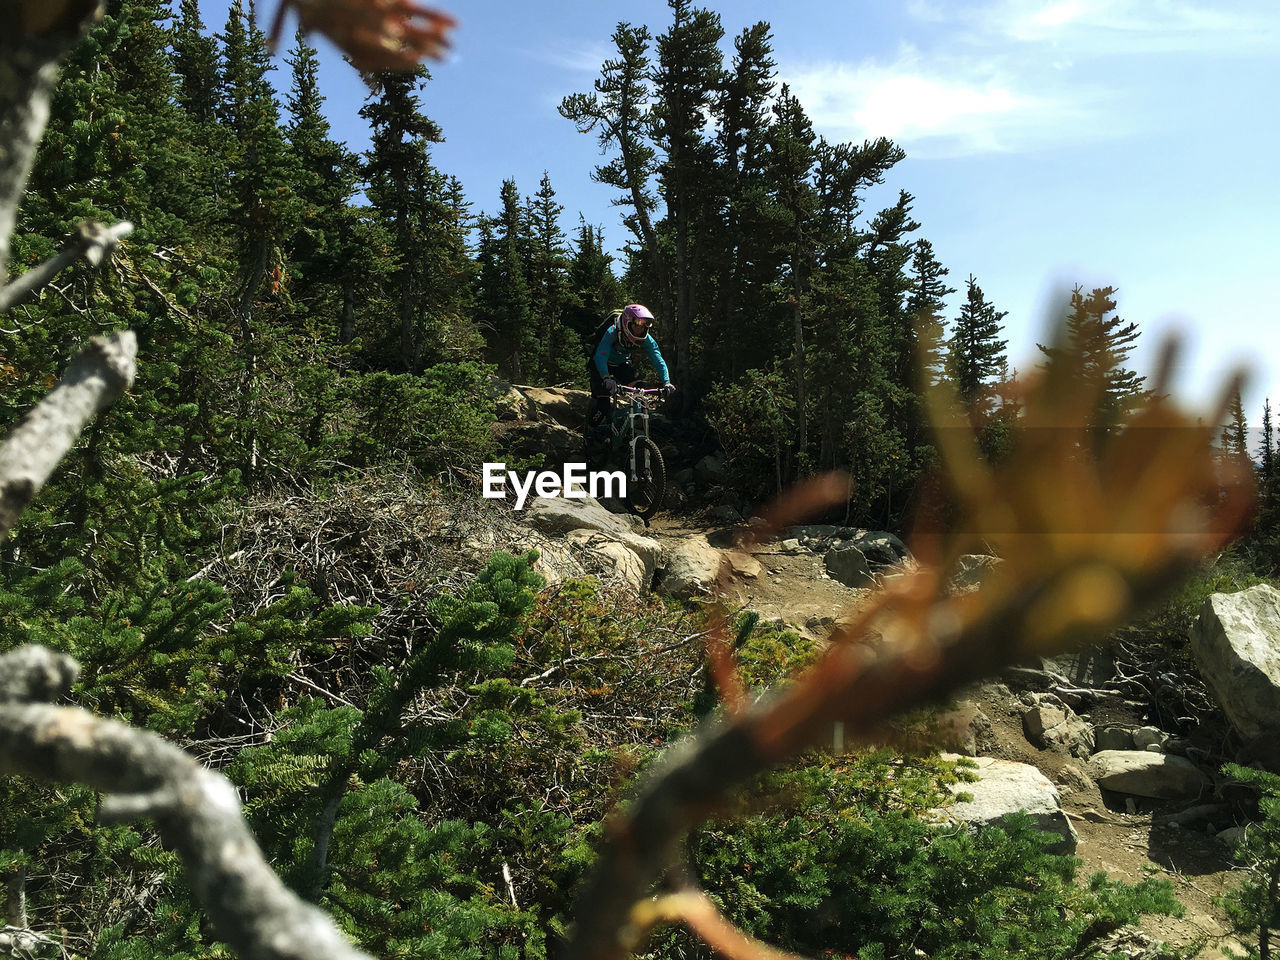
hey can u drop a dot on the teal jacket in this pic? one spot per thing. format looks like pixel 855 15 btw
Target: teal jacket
pixel 610 351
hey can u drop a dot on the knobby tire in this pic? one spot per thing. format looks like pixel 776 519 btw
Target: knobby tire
pixel 644 495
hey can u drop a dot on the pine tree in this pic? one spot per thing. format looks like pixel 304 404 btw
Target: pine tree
pixel 324 246
pixel 741 245
pixel 264 209
pixel 620 110
pixel 404 190
pixel 549 285
pixel 976 355
pixel 687 77
pixel 504 292
pixel 594 287
pixel 791 159
pixel 1235 433
pixel 925 305
pixel 1103 344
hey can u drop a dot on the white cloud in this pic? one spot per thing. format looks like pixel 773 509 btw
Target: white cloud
pixel 1020 75
pixel 935 108
pixel 1119 27
pixel 587 58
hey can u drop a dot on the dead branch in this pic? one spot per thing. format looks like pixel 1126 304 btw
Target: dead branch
pixel 91 242
pixel 97 376
pixel 195 810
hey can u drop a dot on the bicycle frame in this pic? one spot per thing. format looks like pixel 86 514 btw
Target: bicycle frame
pixel 630 422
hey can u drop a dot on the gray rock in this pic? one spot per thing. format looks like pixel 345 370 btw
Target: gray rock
pixel 882 548
pixel 1052 725
pixel 849 566
pixel 710 471
pixel 1146 737
pixel 1006 787
pixel 1236 643
pixel 559 405
pixel 690 569
pixel 509 402
pixel 1140 773
pixel 556 517
pixel 964 728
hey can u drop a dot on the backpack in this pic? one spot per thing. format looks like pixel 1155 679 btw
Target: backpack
pixel 601 330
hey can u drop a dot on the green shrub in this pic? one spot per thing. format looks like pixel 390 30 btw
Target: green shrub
pixel 1254 908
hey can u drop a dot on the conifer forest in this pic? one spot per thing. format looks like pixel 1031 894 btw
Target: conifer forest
pixel 249 593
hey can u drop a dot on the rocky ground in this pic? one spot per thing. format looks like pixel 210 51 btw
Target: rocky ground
pixel 1139 801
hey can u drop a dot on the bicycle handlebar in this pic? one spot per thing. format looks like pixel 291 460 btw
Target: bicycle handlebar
pixel 623 388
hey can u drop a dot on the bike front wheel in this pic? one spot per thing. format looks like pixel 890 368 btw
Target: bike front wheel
pixel 644 493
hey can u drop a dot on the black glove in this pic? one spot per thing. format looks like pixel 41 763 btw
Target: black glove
pixel 611 385
pixel 668 388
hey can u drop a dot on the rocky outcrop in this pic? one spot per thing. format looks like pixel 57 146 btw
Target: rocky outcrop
pixel 1142 773
pixel 848 565
pixel 1006 787
pixel 1236 643
pixel 1052 725
pixel 690 569
pixel 588 526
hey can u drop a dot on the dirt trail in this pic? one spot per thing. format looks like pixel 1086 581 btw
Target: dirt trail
pixel 792 585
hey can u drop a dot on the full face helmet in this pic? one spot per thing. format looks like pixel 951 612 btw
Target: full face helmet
pixel 634 324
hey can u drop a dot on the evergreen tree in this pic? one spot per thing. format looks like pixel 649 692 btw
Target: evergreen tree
pixel 195 60
pixel 324 247
pixel 403 188
pixel 594 287
pixel 1235 434
pixel 264 209
pixel 791 159
pixel 504 292
pixel 620 110
pixel 976 355
pixel 687 78
pixel 549 285
pixel 741 242
pixel 925 306
pixel 1103 344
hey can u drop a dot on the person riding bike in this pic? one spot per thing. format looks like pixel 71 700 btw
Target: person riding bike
pixel 610 364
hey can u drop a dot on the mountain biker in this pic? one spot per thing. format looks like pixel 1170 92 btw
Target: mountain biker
pixel 610 364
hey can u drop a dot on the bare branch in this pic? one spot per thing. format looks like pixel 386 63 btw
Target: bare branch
pixel 36 34
pixel 197 813
pixel 97 376
pixel 35 673
pixel 91 241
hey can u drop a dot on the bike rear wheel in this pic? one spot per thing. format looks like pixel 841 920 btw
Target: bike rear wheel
pixel 644 494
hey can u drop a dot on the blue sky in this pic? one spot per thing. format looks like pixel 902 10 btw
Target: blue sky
pixel 1049 142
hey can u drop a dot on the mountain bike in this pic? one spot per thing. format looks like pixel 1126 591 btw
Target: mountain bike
pixel 629 429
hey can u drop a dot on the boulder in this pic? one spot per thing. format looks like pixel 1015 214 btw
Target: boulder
pixel 509 402
pixel 1141 773
pixel 557 518
pixel 744 565
pixel 690 569
pixel 1144 738
pixel 1236 643
pixel 849 566
pixel 882 548
pixel 614 559
pixel 519 439
pixel 724 514
pixel 1005 787
pixel 710 471
pixel 1052 725
pixel 963 728
pixel 559 405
